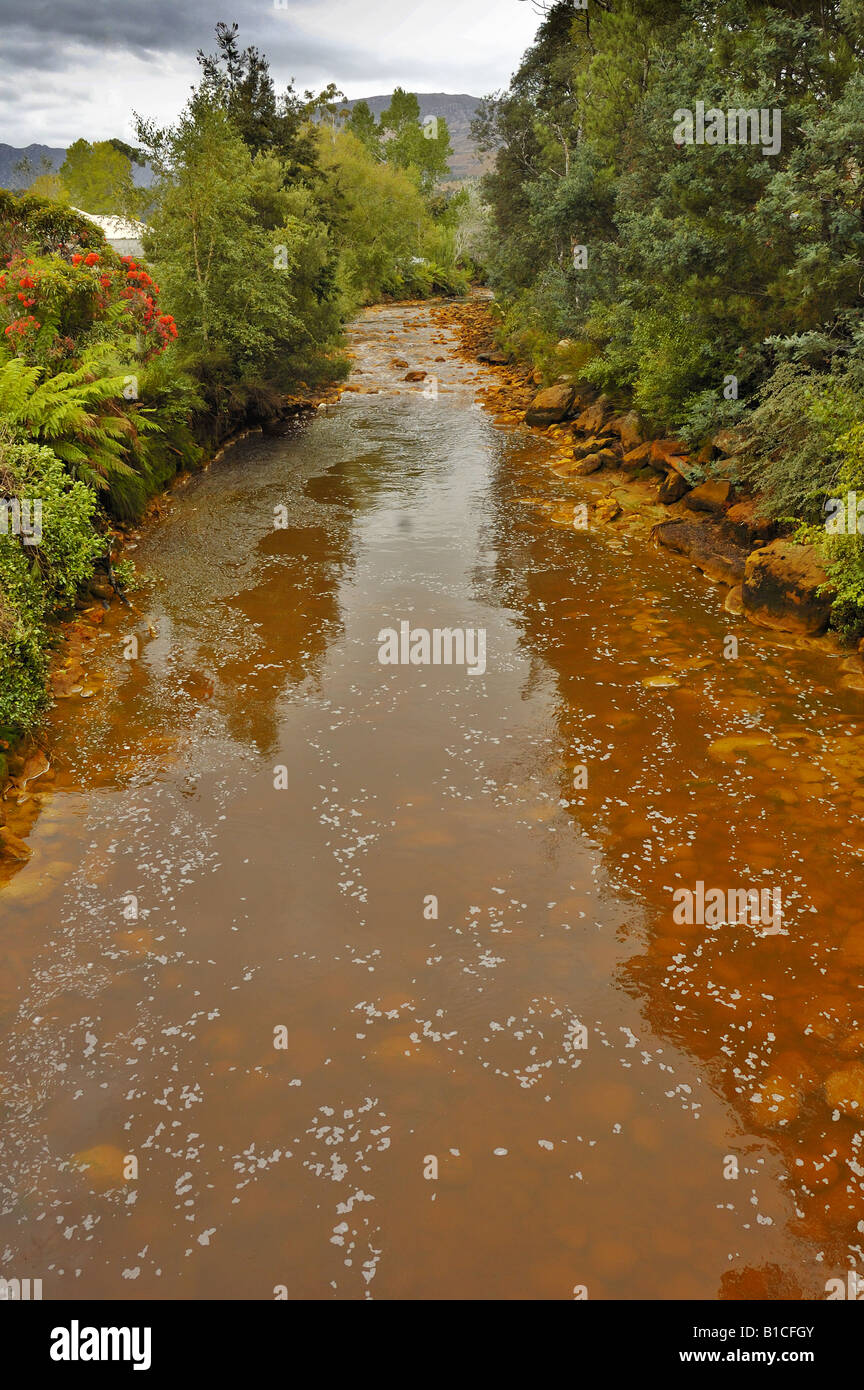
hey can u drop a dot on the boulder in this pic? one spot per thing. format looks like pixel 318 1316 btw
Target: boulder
pixel 414 376
pixel 714 496
pixel 607 510
pixel 786 587
pixel 586 392
pixel 591 445
pixel 551 406
pixel 705 545
pixel 603 458
pixel 663 451
pixel 495 359
pixel 672 488
pixel 745 526
pixel 636 458
pixel 591 419
pixel 627 428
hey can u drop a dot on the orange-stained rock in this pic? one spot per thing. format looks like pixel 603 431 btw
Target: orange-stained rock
pixel 604 458
pixel 637 458
pixel 593 416
pixel 714 496
pixel 607 510
pixel 663 451
pixel 591 445
pixel 844 1089
pixel 550 406
pixel 745 525
pixel 785 586
pixel 672 488
pixel 627 428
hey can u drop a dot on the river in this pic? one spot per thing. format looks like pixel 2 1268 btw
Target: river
pixel 334 979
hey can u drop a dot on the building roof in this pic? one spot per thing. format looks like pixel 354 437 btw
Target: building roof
pixel 115 228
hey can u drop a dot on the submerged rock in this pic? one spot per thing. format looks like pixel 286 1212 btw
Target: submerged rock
pixel 844 1089
pixel 11 847
pixel 776 1103
pixel 703 543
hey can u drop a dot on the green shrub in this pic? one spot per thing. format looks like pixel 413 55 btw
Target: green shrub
pixel 37 580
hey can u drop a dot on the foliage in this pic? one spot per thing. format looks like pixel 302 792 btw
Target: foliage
pixel 705 262
pixel 35 580
pixel 98 179
pixel 268 226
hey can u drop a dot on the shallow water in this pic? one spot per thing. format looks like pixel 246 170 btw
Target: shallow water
pixel 142 1027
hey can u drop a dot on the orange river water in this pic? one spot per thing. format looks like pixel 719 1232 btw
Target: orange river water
pixel 413 1018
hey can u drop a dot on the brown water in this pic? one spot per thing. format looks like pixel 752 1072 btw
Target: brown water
pixel 410 1036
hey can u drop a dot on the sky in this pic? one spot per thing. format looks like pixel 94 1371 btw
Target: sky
pixel 71 68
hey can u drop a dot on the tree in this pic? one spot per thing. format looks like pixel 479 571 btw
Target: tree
pixel 410 145
pixel 238 256
pixel 99 179
pixel 239 81
pixel 363 125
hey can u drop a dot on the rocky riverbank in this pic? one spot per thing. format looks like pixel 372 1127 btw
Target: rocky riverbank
pixel 695 505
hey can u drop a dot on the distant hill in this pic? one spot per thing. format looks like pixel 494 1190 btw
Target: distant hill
pixel 10 156
pixel 458 112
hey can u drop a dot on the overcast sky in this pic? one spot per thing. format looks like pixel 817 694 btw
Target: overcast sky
pixel 72 68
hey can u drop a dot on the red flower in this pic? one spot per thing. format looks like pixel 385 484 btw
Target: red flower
pixel 77 259
pixel 92 259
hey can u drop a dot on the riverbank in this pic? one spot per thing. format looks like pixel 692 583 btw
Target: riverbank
pixel 613 475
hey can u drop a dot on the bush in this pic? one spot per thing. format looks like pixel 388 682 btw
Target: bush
pixel 37 580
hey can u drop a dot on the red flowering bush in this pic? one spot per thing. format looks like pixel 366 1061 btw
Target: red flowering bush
pixel 80 299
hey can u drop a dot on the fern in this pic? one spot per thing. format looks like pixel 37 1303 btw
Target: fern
pixel 79 413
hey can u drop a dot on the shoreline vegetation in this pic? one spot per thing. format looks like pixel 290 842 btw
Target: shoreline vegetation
pixel 269 224
pixel 691 287
pixel 684 318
